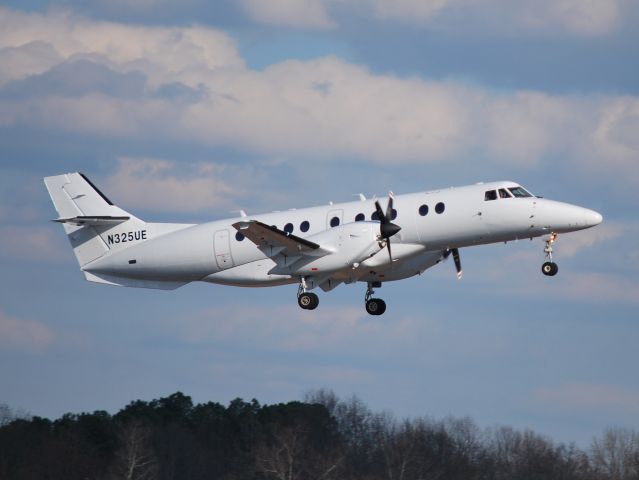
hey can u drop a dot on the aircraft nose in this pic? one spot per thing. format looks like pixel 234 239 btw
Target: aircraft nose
pixel 593 218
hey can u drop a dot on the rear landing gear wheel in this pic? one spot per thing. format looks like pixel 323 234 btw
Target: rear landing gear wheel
pixel 549 269
pixel 308 301
pixel 376 306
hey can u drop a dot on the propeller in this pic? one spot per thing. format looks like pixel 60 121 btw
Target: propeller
pixel 387 228
pixel 456 258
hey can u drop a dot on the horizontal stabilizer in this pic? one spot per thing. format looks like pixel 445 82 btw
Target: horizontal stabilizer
pixel 93 220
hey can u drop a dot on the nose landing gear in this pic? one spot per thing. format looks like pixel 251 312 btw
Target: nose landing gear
pixel 374 306
pixel 306 300
pixel 549 268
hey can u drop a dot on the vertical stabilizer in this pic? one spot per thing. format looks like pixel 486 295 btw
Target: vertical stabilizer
pixel 87 215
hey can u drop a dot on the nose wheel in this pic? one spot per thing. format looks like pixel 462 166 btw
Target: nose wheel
pixel 549 268
pixel 374 306
pixel 306 300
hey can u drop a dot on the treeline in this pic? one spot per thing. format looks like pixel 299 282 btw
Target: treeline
pixel 322 438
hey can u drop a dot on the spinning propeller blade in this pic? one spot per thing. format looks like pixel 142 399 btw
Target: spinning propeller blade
pixel 387 228
pixel 456 259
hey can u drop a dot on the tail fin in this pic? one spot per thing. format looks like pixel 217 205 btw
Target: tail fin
pixel 86 214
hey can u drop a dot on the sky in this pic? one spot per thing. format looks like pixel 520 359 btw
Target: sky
pixel 187 111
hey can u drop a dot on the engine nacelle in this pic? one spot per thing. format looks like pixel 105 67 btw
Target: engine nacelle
pixel 352 243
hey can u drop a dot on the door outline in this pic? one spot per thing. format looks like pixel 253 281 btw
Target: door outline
pixel 222 249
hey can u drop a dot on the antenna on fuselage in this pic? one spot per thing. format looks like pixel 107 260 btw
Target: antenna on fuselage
pixel 241 212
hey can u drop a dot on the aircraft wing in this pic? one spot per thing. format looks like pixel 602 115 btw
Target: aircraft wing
pixel 273 241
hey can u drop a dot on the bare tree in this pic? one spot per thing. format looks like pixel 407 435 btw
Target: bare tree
pixel 289 455
pixel 8 415
pixel 397 442
pixel 616 454
pixel 135 459
pixel 279 457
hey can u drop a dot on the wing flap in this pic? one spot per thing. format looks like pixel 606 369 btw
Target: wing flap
pixel 273 241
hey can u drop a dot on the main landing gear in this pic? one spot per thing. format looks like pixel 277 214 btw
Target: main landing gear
pixel 306 300
pixel 310 301
pixel 549 268
pixel 374 306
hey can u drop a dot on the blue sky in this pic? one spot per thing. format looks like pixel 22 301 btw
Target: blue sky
pixel 186 111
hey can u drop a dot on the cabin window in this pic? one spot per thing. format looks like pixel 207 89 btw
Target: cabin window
pixel 374 215
pixel 288 228
pixel 423 210
pixel 334 221
pixel 304 226
pixel 393 214
pixel 239 237
pixel 440 207
pixel 503 193
pixel 519 192
pixel 490 195
pixel 360 217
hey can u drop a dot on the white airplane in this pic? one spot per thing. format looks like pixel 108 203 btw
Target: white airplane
pixel 313 247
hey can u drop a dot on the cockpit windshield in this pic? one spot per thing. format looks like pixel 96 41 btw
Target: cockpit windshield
pixel 520 192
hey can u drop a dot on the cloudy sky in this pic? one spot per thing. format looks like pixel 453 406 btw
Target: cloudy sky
pixel 186 111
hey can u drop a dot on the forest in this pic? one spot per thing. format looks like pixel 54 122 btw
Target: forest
pixel 321 438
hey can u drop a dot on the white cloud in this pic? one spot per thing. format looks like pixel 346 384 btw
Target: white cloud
pixel 28 59
pixel 164 51
pixel 409 10
pixel 290 13
pixel 580 17
pixel 598 287
pixel 588 287
pixel 614 141
pixel 589 397
pixel 556 17
pixel 162 185
pixel 331 330
pixel 30 243
pixel 573 243
pixel 23 335
pixel 324 109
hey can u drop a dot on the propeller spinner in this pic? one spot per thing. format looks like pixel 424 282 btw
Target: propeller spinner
pixel 387 228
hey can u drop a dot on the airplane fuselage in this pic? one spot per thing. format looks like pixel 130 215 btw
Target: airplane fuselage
pixel 431 223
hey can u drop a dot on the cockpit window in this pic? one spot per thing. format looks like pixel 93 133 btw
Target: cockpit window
pixel 503 193
pixel 490 195
pixel 520 192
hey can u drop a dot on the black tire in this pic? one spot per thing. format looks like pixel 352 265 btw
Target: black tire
pixel 382 307
pixel 308 301
pixel 549 269
pixel 375 306
pixel 315 301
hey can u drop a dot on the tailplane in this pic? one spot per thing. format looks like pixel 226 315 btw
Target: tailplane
pixel 87 216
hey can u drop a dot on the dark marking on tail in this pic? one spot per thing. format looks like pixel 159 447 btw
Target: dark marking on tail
pixel 104 197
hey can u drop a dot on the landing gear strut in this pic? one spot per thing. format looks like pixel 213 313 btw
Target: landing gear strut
pixel 306 300
pixel 549 268
pixel 374 306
